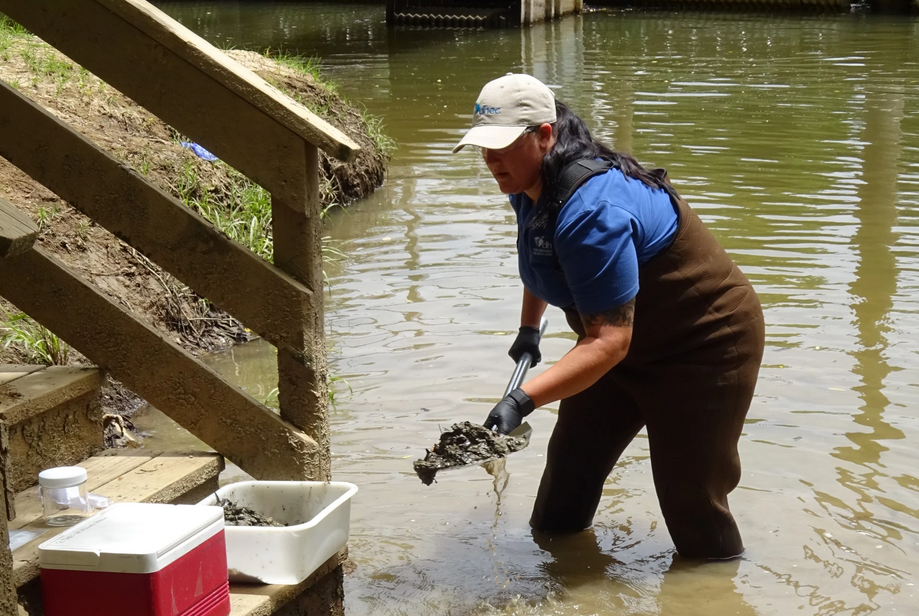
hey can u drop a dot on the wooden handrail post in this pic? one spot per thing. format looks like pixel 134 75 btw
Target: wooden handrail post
pixel 302 387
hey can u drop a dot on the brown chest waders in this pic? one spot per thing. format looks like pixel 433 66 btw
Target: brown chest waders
pixel 689 376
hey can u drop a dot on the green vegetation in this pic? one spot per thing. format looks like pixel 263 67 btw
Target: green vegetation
pixel 45 216
pixel 235 205
pixel 242 213
pixel 39 58
pixel 383 142
pixel 9 32
pixel 333 382
pixel 36 343
pixel 9 29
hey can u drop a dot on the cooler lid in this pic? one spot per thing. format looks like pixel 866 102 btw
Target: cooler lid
pixel 131 538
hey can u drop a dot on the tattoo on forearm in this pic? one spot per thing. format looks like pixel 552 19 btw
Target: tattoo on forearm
pixel 623 316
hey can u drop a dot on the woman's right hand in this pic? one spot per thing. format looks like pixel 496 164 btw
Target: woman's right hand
pixel 527 341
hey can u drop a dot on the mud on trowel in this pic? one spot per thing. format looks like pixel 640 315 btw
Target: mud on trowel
pixel 467 444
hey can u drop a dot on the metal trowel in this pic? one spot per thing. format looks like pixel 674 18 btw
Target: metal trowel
pixel 522 431
pixel 463 453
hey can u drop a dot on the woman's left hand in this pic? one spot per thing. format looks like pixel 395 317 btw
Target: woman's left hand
pixel 509 413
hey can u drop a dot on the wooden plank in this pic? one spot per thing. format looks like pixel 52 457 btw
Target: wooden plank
pixel 17 231
pixel 269 301
pixel 220 67
pixel 11 372
pixel 199 106
pixel 39 391
pixel 161 479
pixel 191 393
pixel 264 600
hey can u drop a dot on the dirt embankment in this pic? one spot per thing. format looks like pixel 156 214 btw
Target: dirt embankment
pixel 135 136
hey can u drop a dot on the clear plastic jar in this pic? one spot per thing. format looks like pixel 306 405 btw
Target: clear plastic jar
pixel 63 495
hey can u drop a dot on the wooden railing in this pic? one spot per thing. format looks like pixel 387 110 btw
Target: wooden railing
pixel 273 140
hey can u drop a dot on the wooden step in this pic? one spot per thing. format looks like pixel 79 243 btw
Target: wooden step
pixel 136 475
pixel 49 416
pixel 268 599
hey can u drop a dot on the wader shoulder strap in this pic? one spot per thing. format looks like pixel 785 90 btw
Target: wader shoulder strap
pixel 579 171
pixel 576 173
pixel 569 180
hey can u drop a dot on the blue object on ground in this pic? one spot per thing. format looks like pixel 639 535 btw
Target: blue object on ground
pixel 199 151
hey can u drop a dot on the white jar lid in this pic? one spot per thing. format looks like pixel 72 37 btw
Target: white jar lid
pixel 62 477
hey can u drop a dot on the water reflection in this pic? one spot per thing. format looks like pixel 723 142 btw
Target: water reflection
pixel 875 282
pixel 797 140
pixel 872 291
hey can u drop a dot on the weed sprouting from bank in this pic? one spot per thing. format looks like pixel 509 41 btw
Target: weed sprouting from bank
pixel 334 382
pixel 8 27
pixel 37 344
pixel 45 216
pixel 305 65
pixel 244 214
pixel 381 140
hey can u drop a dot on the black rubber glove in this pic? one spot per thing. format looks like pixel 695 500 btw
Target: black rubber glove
pixel 509 413
pixel 527 342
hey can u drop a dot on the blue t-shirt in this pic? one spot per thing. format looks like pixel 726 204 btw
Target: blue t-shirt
pixel 609 227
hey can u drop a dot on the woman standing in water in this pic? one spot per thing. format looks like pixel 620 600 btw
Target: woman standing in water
pixel 670 332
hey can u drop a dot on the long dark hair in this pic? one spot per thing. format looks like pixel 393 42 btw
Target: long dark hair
pixel 573 141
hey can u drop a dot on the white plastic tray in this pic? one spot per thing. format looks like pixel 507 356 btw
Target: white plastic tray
pixel 318 515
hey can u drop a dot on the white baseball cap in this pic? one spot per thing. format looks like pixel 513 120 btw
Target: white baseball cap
pixel 506 107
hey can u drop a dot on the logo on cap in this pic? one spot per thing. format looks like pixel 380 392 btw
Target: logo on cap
pixel 486 110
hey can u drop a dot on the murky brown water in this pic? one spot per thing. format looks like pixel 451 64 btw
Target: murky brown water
pixel 797 139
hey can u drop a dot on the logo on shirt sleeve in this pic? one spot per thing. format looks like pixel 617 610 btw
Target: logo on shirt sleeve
pixel 542 247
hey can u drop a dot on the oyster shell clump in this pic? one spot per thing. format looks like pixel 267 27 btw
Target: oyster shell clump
pixel 464 444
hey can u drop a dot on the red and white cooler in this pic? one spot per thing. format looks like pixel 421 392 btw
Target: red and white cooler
pixel 138 559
